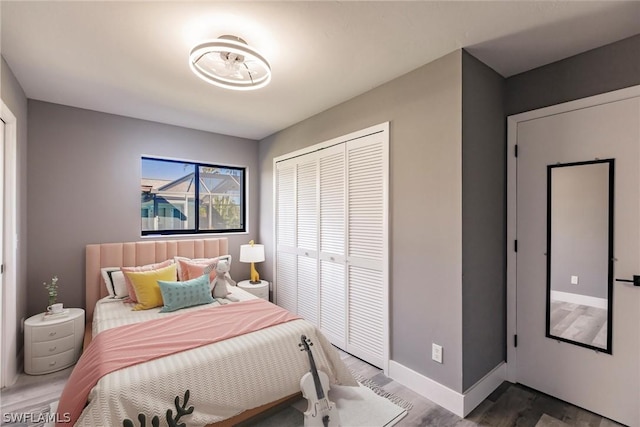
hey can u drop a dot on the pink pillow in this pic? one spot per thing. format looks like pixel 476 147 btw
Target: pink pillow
pixel 132 293
pixel 193 268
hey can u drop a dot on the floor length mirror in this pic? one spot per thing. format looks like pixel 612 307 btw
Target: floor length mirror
pixel 580 253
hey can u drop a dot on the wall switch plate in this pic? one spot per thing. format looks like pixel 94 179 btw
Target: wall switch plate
pixel 574 280
pixel 436 353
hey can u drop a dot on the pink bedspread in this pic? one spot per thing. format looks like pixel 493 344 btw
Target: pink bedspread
pixel 129 345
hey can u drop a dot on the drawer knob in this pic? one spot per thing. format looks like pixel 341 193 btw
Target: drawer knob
pixel 53 348
pixel 52 363
pixel 332 259
pixel 52 334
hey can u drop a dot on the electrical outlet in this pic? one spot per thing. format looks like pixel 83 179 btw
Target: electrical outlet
pixel 574 280
pixel 436 352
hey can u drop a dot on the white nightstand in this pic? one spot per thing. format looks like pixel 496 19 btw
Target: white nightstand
pixel 261 290
pixel 51 345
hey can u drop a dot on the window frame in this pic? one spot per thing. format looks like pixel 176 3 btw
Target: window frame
pixel 196 229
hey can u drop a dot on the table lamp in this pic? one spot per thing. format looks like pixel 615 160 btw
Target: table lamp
pixel 252 253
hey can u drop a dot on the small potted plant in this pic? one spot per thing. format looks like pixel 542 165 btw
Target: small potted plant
pixel 52 289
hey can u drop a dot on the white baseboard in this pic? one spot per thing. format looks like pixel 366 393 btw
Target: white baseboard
pixel 579 299
pixel 483 388
pixel 458 403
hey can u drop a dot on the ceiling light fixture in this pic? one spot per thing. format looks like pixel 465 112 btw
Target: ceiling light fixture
pixel 230 63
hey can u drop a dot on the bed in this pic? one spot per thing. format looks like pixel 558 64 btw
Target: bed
pixel 228 381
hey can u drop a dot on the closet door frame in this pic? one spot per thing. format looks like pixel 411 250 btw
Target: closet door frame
pixel 380 128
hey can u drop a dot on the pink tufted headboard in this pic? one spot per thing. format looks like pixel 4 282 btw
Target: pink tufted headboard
pixel 139 253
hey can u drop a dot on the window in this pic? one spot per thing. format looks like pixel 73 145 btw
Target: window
pixel 171 190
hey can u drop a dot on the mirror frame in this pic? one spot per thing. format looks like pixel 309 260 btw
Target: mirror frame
pixel 611 175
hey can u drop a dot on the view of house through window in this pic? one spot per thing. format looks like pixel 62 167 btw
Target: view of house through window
pixel 173 191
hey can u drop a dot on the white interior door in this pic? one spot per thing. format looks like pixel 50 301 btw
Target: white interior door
pixel 607 384
pixel 307 236
pixel 367 248
pixel 332 222
pixel 286 288
pixel 331 229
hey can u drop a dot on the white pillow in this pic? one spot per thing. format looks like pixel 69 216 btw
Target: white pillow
pixel 115 282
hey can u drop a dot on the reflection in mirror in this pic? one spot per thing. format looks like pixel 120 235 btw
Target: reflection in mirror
pixel 580 253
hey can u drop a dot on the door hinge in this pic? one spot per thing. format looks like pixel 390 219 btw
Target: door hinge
pixel 515 340
pixel 1 268
pixel 515 246
pixel 515 151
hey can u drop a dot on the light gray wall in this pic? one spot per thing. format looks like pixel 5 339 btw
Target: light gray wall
pixel 483 220
pixel 611 67
pixel 424 110
pixel 84 187
pixel 580 229
pixel 15 99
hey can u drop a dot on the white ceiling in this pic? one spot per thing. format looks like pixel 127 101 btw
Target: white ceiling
pixel 131 58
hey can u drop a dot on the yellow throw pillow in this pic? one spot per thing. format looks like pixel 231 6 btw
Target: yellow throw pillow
pixel 145 284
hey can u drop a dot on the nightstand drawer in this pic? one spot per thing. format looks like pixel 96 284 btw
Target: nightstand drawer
pixel 53 332
pixel 49 348
pixel 42 365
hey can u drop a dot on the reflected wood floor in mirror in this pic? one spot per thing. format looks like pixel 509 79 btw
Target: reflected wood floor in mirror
pixel 581 323
pixel 510 405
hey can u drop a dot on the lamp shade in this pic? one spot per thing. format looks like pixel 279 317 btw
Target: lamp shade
pixel 251 253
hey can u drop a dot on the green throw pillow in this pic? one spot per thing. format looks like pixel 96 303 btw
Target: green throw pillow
pixel 177 295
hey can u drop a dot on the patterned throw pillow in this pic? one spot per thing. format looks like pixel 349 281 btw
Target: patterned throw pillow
pixel 145 284
pixel 177 295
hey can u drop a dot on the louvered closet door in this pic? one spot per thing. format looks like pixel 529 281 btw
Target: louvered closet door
pixel 367 248
pixel 332 245
pixel 307 236
pixel 332 240
pixel 286 255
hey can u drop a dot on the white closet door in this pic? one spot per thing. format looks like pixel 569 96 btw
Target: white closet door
pixel 307 236
pixel 367 248
pixel 332 245
pixel 332 240
pixel 286 258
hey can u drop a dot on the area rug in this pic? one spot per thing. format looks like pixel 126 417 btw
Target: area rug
pixel 357 407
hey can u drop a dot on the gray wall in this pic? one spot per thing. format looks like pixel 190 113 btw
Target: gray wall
pixel 580 229
pixel 483 220
pixel 424 109
pixel 14 98
pixel 611 67
pixel 84 187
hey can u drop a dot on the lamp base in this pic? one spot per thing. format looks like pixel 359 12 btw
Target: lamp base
pixel 255 277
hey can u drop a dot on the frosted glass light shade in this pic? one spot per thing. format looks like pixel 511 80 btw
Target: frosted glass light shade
pixel 230 63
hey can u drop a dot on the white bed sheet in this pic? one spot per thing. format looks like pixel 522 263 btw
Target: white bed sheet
pixel 224 378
